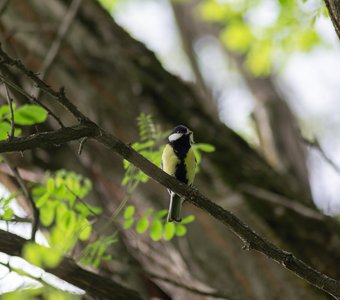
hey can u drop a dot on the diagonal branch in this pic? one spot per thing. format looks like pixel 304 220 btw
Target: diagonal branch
pixel 97 286
pixel 251 239
pixel 89 129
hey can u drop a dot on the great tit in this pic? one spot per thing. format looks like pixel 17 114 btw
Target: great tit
pixel 178 159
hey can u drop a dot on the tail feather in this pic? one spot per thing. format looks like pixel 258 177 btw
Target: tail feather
pixel 175 208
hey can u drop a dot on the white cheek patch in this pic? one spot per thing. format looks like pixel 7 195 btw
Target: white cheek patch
pixel 175 137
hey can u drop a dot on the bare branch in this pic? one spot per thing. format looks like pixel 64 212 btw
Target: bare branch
pixel 97 286
pixel 333 7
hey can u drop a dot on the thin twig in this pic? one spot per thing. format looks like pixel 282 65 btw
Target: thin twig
pixel 10 104
pixel 82 201
pixel 81 145
pixel 188 288
pixel 56 45
pixel 30 98
pixel 315 144
pixel 28 195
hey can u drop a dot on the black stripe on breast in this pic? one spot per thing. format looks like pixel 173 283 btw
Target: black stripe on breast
pixel 181 173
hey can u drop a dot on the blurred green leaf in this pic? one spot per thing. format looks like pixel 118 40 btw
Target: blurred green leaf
pixel 160 214
pixel 181 230
pixel 51 257
pixel 8 214
pixel 142 225
pixel 169 231
pixel 128 223
pixel 237 36
pixel 205 147
pixel 188 219
pixel 156 230
pixel 5 129
pixel 29 114
pixel 129 211
pixel 259 59
pixel 85 230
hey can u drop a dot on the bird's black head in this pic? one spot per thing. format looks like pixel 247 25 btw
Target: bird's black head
pixel 181 139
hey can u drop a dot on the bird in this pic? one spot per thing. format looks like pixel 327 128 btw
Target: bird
pixel 178 160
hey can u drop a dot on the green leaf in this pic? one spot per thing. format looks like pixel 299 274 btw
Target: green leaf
pixel 29 114
pixel 237 36
pixel 156 230
pixel 8 214
pixel 259 59
pixel 148 212
pixel 169 231
pixel 50 185
pixel 142 225
pixel 32 253
pixel 47 213
pixel 128 223
pixel 61 212
pixel 51 257
pixel 205 147
pixel 160 214
pixel 86 230
pixel 42 200
pixel 188 219
pixel 129 211
pixel 181 230
pixel 5 129
pixel 4 110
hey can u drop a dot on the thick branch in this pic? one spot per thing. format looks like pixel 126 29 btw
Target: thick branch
pixel 94 284
pixel 333 7
pixel 49 139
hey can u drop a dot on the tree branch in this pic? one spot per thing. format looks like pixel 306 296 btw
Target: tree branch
pixel 250 238
pixel 89 129
pixel 94 284
pixel 49 139
pixel 333 7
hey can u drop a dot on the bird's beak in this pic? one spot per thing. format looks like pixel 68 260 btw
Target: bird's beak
pixel 189 132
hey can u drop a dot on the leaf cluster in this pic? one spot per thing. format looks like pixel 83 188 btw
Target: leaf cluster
pixel 155 223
